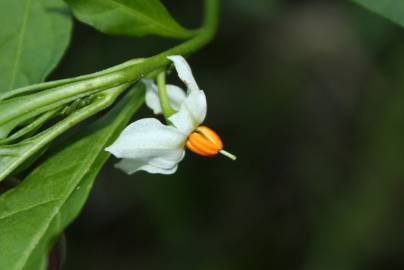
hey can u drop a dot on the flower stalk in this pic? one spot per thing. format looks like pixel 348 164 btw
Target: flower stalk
pixel 162 93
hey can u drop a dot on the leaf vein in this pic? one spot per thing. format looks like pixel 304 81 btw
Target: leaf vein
pixel 150 20
pixel 79 175
pixel 20 42
pixel 27 208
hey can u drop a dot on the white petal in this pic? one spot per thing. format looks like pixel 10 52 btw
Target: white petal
pixel 131 166
pixel 152 99
pixel 191 114
pixel 184 72
pixel 158 165
pixel 149 144
pixel 175 95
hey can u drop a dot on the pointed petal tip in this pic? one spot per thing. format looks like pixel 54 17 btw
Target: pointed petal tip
pixel 184 72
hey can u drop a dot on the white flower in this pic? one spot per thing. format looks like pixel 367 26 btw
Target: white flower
pixel 149 145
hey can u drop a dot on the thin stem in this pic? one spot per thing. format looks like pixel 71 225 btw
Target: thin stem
pixel 206 34
pixel 162 91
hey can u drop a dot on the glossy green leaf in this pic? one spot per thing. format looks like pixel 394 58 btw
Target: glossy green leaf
pixel 391 9
pixel 33 214
pixel 128 17
pixel 34 35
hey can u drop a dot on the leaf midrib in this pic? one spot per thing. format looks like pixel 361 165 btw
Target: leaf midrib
pixel 146 18
pixel 79 175
pixel 28 208
pixel 20 42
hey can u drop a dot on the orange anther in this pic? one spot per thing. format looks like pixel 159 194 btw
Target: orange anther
pixel 204 141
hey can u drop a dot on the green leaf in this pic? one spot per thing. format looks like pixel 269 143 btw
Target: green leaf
pixel 128 17
pixel 33 214
pixel 34 35
pixel 391 9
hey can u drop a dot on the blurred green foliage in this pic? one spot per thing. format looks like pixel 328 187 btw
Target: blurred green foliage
pixel 310 95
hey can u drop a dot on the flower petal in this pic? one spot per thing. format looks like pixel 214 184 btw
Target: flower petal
pixel 150 146
pixel 175 95
pixel 191 114
pixel 184 72
pixel 157 165
pixel 152 99
pixel 131 166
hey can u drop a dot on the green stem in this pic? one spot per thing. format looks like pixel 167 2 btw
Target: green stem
pixel 12 156
pixel 162 91
pixel 206 34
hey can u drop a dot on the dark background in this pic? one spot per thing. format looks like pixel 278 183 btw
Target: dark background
pixel 310 96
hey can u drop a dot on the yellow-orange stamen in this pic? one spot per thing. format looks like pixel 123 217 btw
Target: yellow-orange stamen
pixel 205 142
